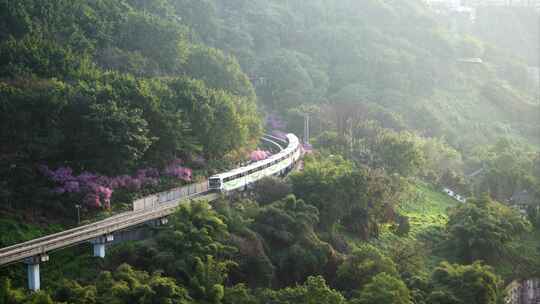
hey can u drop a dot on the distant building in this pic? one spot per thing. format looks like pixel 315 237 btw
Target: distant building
pixel 471 60
pixel 513 293
pixel 507 3
pixel 523 292
pixel 523 200
pixel 530 292
pixel 534 74
pixel 483 3
pixel 452 8
pixel 454 195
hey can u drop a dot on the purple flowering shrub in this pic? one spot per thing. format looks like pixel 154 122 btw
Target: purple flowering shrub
pixel 96 190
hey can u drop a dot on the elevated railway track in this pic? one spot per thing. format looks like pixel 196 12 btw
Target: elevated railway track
pixel 154 208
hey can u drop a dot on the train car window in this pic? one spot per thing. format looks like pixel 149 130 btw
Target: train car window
pixel 214 183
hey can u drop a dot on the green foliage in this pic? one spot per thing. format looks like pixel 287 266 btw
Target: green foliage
pixel 288 229
pixel 35 55
pixel 475 284
pixel 271 189
pixel 384 288
pixel 208 279
pixel 361 266
pixel 196 233
pixel 121 134
pixel 313 291
pixel 409 257
pixel 399 153
pixel 509 169
pixel 126 285
pixel 9 295
pixel 359 198
pixel 15 231
pixel 222 122
pixel 331 142
pixel 482 228
pixel 218 71
pixel 73 292
pixel 201 16
pixel 522 20
pixel 40 297
pixel 239 294
pixel 110 85
pixel 107 86
pixel 319 185
pixel 159 40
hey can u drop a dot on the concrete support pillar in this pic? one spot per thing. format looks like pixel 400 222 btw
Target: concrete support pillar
pixel 98 244
pixel 99 250
pixel 33 277
pixel 158 222
pixel 32 267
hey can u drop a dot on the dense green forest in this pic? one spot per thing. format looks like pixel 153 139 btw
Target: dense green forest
pixel 103 101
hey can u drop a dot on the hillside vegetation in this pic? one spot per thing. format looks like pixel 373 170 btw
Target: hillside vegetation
pixel 104 101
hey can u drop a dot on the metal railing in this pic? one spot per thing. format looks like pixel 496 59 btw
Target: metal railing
pixel 154 200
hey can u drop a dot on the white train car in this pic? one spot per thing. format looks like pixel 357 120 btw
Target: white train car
pixel 239 178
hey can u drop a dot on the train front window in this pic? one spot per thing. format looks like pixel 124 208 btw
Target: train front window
pixel 214 183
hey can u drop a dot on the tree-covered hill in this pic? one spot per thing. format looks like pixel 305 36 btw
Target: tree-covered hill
pixel 111 87
pixel 398 55
pixel 104 100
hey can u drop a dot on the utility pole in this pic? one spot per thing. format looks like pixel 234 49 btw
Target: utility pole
pixel 78 207
pixel 306 128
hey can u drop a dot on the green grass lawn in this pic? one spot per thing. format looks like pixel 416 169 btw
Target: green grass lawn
pixel 427 209
pixel 427 212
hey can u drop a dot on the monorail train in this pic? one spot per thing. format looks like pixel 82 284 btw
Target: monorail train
pixel 240 178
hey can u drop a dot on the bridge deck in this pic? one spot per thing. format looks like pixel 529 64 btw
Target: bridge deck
pixel 88 232
pixel 146 209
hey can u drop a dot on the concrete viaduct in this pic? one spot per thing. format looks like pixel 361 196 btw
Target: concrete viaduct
pixel 153 210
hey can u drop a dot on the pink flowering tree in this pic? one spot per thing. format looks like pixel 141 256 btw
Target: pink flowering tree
pixel 258 155
pixel 177 170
